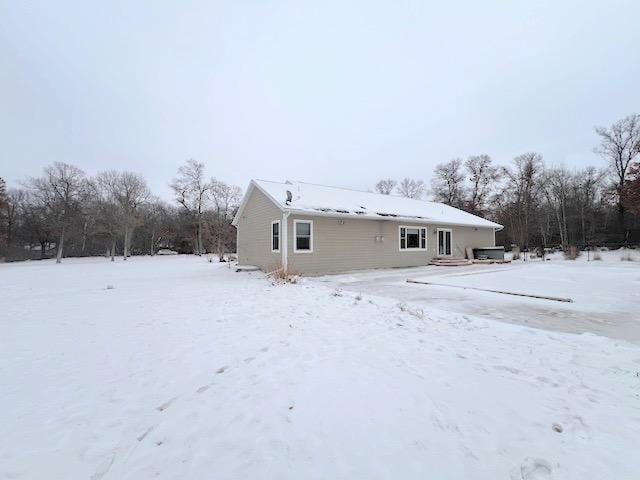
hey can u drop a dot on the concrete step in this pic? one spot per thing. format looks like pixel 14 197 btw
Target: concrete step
pixel 450 261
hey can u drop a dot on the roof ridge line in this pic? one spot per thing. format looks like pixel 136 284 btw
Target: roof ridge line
pixel 363 191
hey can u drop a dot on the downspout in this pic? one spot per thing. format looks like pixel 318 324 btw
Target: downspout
pixel 285 241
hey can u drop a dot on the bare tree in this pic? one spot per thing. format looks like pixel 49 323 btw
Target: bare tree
pixel 4 215
pixel 632 189
pixel 587 194
pixel 482 176
pixel 156 223
pixel 192 191
pixel 518 195
pixel 386 186
pixel 128 191
pixel 88 212
pixel 447 184
pixel 411 188
pixel 556 185
pixel 620 145
pixel 226 199
pixel 15 199
pixel 109 216
pixel 35 222
pixel 59 191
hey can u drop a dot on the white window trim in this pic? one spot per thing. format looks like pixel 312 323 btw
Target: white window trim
pixel 438 242
pixel 426 238
pixel 295 236
pixel 279 236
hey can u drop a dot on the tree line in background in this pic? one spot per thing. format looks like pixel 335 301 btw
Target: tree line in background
pixel 543 205
pixel 65 213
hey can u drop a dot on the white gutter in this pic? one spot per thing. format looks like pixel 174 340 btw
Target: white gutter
pixel 285 241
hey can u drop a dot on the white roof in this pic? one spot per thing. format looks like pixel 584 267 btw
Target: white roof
pixel 315 199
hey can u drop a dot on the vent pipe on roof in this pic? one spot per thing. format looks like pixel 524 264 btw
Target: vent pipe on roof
pixel 289 196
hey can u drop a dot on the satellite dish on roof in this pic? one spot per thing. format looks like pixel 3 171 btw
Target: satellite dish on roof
pixel 289 196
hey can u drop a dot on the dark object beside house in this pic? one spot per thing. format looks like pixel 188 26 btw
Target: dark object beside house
pixel 488 253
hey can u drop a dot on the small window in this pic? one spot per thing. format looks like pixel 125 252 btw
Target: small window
pixel 275 236
pixel 413 238
pixel 303 241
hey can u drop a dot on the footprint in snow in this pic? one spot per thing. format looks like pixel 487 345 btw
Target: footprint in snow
pixel 106 465
pixel 532 469
pixel 146 432
pixel 506 368
pixel 222 370
pixel 166 404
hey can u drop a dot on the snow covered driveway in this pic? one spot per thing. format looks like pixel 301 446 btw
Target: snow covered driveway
pixel 606 293
pixel 176 368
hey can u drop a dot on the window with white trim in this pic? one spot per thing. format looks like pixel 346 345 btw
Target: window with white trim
pixel 275 236
pixel 413 238
pixel 303 236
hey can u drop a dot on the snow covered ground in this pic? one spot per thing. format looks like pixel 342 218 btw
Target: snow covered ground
pixel 177 368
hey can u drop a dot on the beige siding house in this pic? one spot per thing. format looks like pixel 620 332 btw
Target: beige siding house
pixel 316 229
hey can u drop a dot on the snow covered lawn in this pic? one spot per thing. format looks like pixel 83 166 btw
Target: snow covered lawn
pixel 175 368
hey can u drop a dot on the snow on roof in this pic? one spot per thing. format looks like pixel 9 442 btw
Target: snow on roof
pixel 325 200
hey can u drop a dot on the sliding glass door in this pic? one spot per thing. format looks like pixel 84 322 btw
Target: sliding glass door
pixel 444 242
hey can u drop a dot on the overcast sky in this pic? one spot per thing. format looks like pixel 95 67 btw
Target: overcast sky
pixel 341 93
